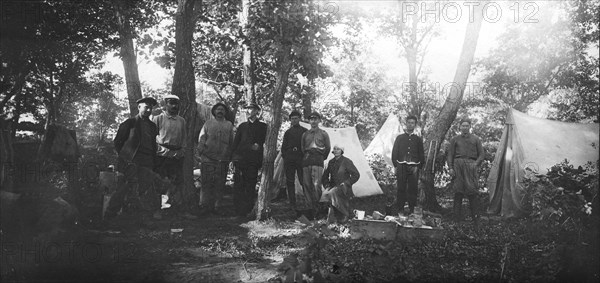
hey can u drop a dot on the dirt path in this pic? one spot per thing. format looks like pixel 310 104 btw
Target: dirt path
pixel 209 249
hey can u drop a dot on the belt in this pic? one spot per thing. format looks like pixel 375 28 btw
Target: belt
pixel 171 147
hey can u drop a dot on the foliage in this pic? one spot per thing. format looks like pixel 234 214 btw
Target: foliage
pixel 384 173
pixel 565 196
pixel 551 58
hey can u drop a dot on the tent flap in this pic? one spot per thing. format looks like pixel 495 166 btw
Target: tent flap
pixel 536 144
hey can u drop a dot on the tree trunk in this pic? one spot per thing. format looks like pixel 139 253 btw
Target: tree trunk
pixel 248 63
pixel 307 98
pixel 411 58
pixel 129 58
pixel 441 124
pixel 184 87
pixel 284 65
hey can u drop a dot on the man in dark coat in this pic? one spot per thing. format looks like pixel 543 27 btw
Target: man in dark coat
pixel 135 144
pixel 408 157
pixel 291 151
pixel 248 147
pixel 337 180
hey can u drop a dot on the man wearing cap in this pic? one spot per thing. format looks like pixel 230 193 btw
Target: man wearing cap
pixel 465 155
pixel 291 152
pixel 408 157
pixel 214 150
pixel 171 142
pixel 135 144
pixel 248 147
pixel 315 146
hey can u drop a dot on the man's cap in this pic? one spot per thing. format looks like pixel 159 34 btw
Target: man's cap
pixel 214 108
pixel 148 100
pixel 314 114
pixel 171 96
pixel 253 105
pixel 295 113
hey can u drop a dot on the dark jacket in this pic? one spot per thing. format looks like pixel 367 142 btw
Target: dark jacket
pixel 340 171
pixel 408 149
pixel 127 141
pixel 291 148
pixel 247 134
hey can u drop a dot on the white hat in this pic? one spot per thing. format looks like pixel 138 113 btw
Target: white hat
pixel 171 96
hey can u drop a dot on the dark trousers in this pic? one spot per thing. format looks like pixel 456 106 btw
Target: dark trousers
pixel 407 176
pixel 214 176
pixel 473 205
pixel 292 167
pixel 171 168
pixel 244 192
pixel 135 186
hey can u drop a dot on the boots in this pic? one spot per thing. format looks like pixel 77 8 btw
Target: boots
pixel 458 207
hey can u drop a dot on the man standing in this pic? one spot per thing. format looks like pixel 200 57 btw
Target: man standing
pixel 315 148
pixel 291 152
pixel 171 141
pixel 465 154
pixel 248 147
pixel 214 150
pixel 408 157
pixel 135 144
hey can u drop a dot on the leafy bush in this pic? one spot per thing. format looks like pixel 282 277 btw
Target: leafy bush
pixel 383 172
pixel 565 195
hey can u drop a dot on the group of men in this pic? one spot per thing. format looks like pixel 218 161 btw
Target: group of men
pixel 147 147
pixel 465 154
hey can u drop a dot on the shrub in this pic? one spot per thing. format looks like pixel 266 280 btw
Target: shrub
pixel 384 173
pixel 565 195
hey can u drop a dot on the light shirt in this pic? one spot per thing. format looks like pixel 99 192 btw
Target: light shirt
pixel 171 132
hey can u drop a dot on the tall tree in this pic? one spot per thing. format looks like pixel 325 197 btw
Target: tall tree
pixel 248 61
pixel 443 121
pixel 295 32
pixel 413 29
pixel 184 87
pixel 128 54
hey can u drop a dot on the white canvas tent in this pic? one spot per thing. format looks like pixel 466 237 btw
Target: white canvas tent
pixel 535 144
pixel 383 142
pixel 367 185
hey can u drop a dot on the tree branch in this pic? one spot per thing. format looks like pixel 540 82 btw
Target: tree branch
pixel 222 83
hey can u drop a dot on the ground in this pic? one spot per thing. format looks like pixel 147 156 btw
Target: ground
pixel 231 249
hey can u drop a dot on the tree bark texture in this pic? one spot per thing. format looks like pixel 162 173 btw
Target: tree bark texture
pixel 307 97
pixel 129 58
pixel 284 65
pixel 248 64
pixel 441 124
pixel 184 87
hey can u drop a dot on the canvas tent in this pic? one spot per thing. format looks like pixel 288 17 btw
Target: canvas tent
pixel 535 144
pixel 383 142
pixel 367 185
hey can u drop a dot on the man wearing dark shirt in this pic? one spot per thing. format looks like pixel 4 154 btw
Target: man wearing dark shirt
pixel 135 144
pixel 465 154
pixel 291 151
pixel 248 146
pixel 408 157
